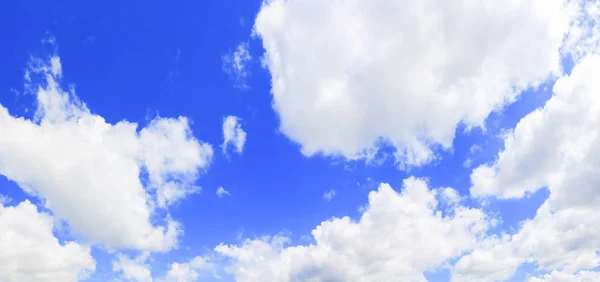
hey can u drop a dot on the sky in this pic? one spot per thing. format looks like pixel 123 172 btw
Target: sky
pixel 300 140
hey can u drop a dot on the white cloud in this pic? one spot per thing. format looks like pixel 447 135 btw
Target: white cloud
pixel 329 195
pixel 234 64
pixel 550 145
pixel 450 196
pixel 88 171
pixel 233 134
pixel 221 192
pixel 558 276
pixel 392 239
pixel 133 269
pixel 472 151
pixel 584 34
pixel 558 147
pixel 138 269
pixel 189 271
pixel 30 252
pixel 347 75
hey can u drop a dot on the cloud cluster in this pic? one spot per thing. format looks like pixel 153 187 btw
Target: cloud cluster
pixel 138 269
pixel 348 76
pixel 87 171
pixel 393 239
pixel 558 147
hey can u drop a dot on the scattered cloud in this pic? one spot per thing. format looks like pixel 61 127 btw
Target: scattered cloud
pixel 233 134
pixel 329 195
pixel 468 162
pixel 189 271
pixel 4 200
pixel 559 276
pixel 350 80
pixel 474 149
pixel 235 65
pixel 221 192
pixel 133 269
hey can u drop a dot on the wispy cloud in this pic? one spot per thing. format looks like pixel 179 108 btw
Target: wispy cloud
pixel 234 64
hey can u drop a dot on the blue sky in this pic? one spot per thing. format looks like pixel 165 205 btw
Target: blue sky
pixel 143 61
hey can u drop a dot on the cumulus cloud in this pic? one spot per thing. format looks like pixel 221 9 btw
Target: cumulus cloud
pixel 557 147
pixel 30 252
pixel 393 239
pixel 349 76
pixel 221 192
pixel 234 64
pixel 233 134
pixel 88 171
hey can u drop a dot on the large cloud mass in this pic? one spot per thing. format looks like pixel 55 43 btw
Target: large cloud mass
pixel 88 171
pixel 348 74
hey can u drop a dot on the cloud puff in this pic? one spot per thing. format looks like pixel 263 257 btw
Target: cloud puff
pixel 30 252
pixel 349 75
pixel 558 147
pixel 392 239
pixel 88 171
pixel 221 192
pixel 233 134
pixel 329 195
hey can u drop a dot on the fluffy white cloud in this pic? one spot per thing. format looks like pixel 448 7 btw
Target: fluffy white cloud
pixel 558 147
pixel 30 252
pixel 221 192
pixel 88 171
pixel 233 134
pixel 553 146
pixel 347 75
pixel 393 240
